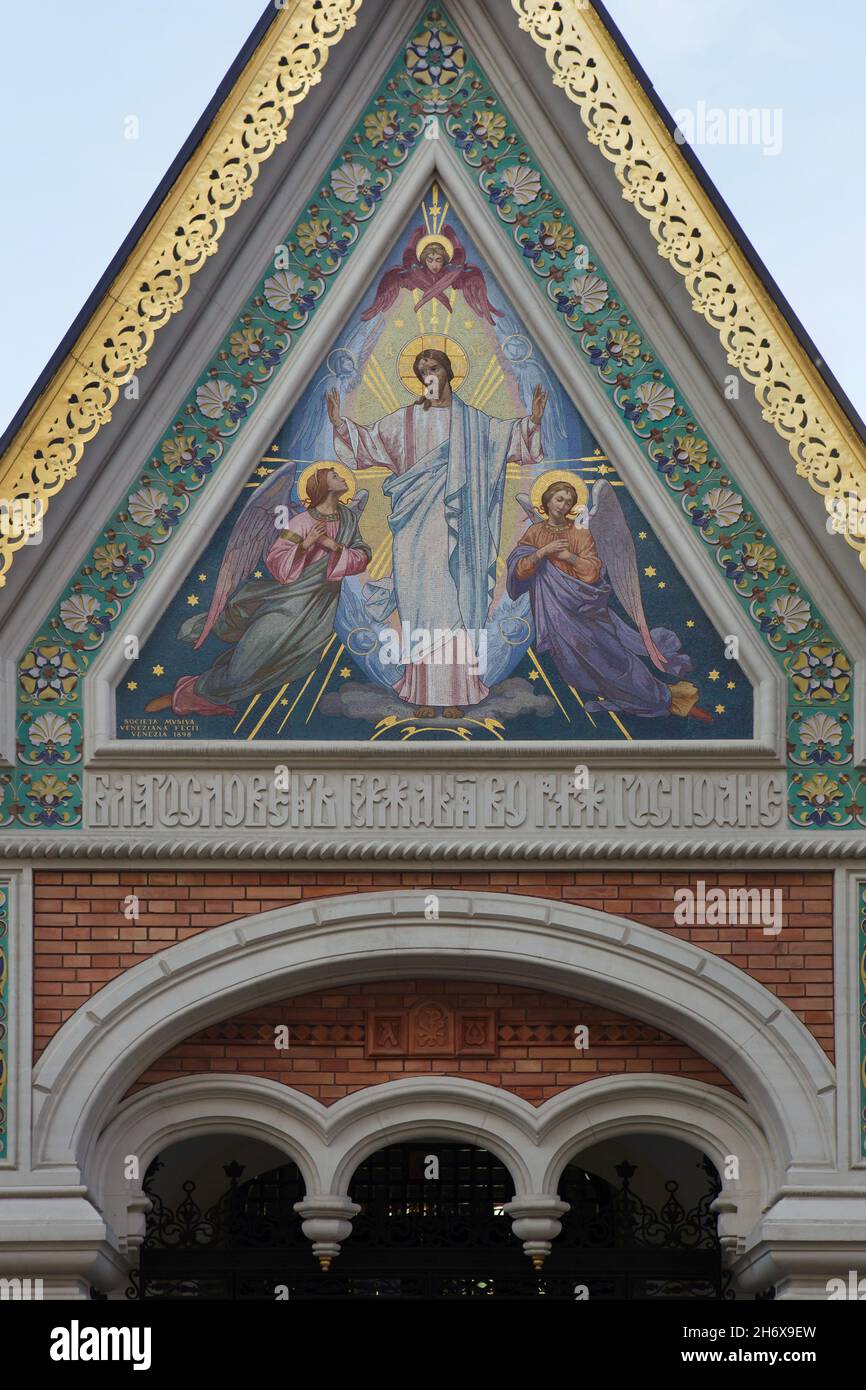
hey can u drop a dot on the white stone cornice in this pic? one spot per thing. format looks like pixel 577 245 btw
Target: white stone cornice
pixel 736 846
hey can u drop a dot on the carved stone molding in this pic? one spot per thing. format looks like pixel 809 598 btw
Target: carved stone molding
pixel 391 850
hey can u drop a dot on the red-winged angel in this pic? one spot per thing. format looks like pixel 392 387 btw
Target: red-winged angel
pixel 434 265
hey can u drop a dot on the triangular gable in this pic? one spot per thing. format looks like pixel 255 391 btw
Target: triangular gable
pixel 347 694
pixel 184 223
pixel 418 101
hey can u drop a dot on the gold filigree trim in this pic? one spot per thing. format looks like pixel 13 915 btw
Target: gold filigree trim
pixel 655 177
pixel 153 283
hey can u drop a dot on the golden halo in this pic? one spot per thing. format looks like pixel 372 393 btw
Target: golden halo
pixel 441 343
pixel 345 473
pixel 558 475
pixel 425 241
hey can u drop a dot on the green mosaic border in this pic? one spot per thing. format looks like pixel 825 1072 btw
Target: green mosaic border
pixel 435 80
pixel 861 956
pixel 4 1020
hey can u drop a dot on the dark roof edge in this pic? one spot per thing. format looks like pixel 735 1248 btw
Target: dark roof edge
pixel 745 245
pixel 125 250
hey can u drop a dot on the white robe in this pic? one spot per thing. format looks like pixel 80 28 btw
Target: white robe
pixel 446 513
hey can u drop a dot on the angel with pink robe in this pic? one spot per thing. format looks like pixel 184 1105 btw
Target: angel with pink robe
pixel 275 626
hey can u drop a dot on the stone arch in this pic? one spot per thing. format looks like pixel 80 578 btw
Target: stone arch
pixel 772 1058
pixel 328 1143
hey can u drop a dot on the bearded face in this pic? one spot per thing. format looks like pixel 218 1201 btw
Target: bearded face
pixel 434 380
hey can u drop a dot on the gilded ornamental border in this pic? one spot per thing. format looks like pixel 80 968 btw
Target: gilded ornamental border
pixel 186 230
pixel 758 341
pixel 621 121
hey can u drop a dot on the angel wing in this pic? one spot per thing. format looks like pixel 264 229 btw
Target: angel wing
pixel 343 368
pixel 253 535
pixel 394 280
pixel 613 541
pixel 474 287
pixel 358 503
pixel 532 514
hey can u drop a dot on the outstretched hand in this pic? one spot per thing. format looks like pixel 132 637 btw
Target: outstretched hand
pixel 332 401
pixel 539 401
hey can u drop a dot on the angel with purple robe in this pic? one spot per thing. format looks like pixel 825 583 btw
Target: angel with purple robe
pixel 275 626
pixel 571 570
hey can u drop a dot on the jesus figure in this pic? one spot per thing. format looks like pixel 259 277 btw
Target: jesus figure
pixel 448 465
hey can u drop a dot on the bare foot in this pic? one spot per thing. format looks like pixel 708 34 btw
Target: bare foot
pixel 697 713
pixel 425 712
pixel 452 712
pixel 161 702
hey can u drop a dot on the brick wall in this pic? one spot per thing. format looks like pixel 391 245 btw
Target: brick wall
pixel 82 939
pixel 332 1039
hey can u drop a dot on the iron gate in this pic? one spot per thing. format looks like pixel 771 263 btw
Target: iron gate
pixel 421 1237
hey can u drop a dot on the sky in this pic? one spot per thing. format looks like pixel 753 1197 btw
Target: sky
pixel 80 75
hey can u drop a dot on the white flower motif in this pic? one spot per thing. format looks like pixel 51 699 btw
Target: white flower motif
pixel 77 611
pixel 348 180
pixel 724 506
pixel 281 289
pixel 523 184
pixel 590 292
pixel 820 728
pixel 793 611
pixel 658 399
pixel 146 504
pixel 212 399
pixel 50 728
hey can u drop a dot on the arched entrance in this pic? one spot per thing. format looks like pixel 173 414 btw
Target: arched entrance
pixel 433 1225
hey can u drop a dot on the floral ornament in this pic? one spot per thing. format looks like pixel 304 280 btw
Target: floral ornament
pixel 284 291
pixel 653 398
pixel 585 292
pixel 250 345
pixel 819 794
pixel 551 239
pixel 821 672
pixel 821 733
pixel 180 452
pixel 385 128
pixel 353 181
pixel 518 184
pixel 619 346
pixel 435 57
pixel 752 559
pixel 49 734
pixel 690 451
pixel 722 506
pixel 316 238
pixel 789 611
pixel 149 506
pixel 487 129
pixel 214 398
pixel 114 561
pixel 49 673
pixel 80 612
pixel 49 794
pixel 688 454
